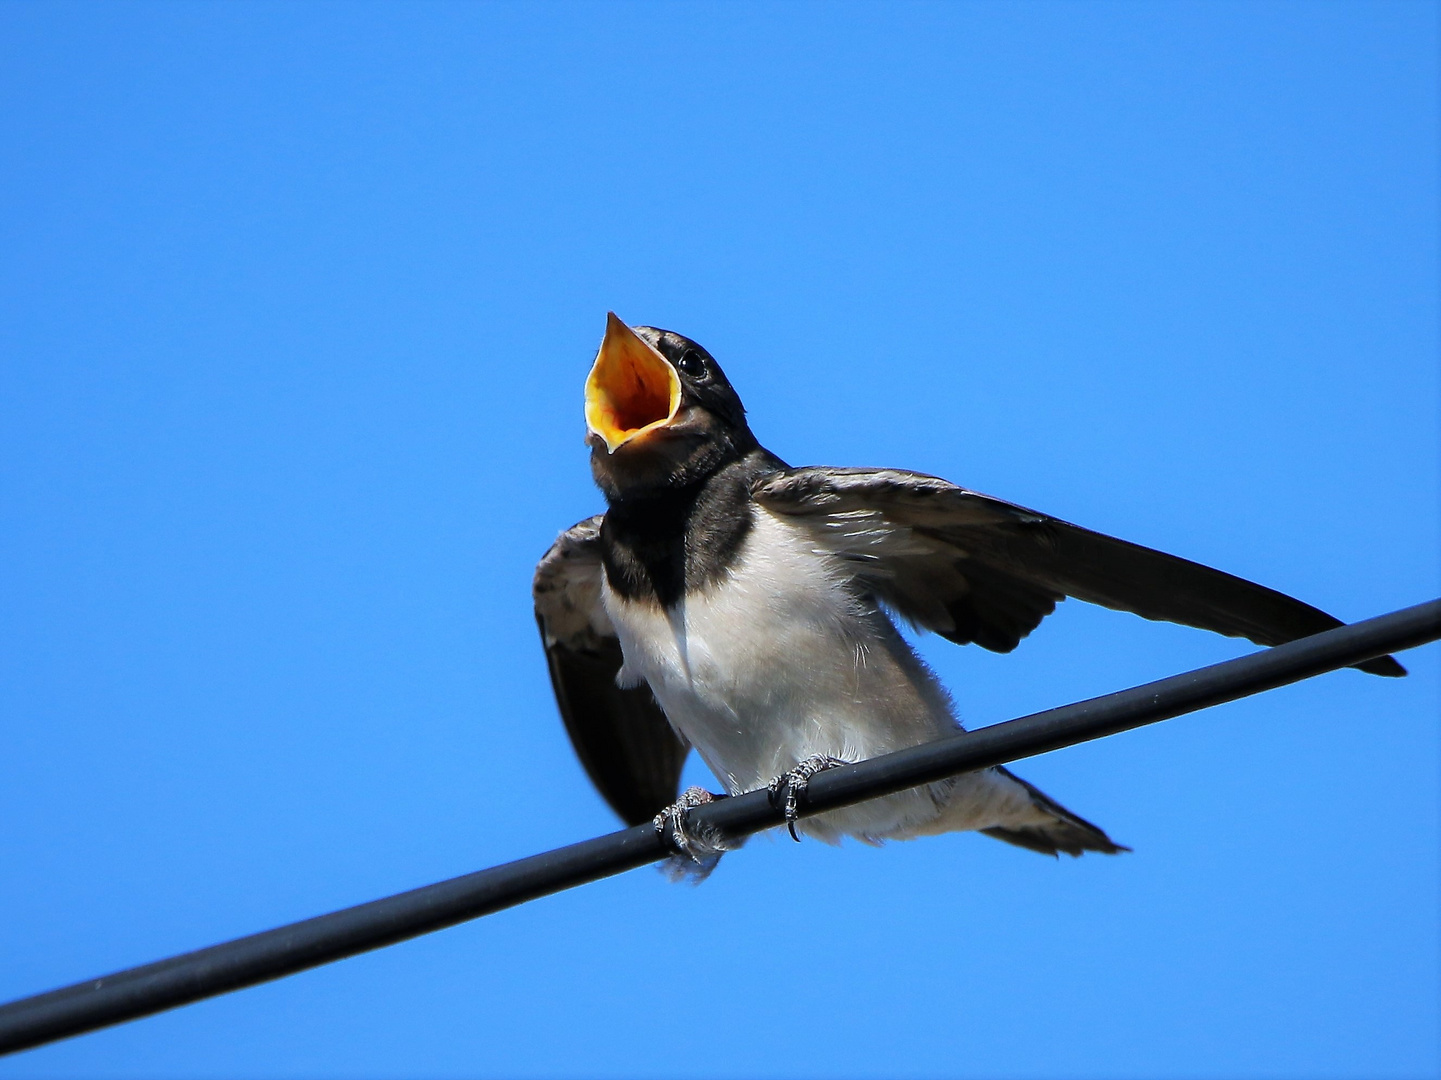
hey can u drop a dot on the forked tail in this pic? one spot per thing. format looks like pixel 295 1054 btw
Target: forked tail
pixel 1048 827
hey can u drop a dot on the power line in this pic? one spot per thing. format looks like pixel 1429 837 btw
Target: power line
pixel 152 988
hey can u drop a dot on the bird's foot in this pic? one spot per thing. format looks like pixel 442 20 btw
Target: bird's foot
pixel 788 790
pixel 697 850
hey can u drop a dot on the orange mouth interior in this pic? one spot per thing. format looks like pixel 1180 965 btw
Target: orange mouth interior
pixel 632 389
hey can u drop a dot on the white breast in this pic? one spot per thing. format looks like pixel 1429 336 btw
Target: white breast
pixel 780 660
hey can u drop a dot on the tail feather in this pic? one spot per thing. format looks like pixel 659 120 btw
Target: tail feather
pixel 1056 830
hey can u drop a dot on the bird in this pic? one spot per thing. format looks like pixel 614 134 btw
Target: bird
pixel 728 602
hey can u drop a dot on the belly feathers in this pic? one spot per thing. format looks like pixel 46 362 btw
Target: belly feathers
pixel 777 661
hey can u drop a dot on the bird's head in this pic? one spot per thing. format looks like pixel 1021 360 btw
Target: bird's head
pixel 659 413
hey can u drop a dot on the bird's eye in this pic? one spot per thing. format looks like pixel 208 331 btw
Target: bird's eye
pixel 691 364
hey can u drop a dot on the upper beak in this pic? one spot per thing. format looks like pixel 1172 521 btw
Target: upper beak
pixel 631 388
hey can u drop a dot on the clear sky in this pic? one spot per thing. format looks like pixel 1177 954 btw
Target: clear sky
pixel 296 302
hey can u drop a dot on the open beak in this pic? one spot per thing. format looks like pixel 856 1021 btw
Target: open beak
pixel 631 389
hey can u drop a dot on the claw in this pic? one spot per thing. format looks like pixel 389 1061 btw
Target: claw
pixel 794 784
pixel 696 853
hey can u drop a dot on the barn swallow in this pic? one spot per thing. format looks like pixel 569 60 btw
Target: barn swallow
pixel 728 602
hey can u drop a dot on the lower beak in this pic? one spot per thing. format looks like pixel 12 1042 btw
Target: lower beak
pixel 631 389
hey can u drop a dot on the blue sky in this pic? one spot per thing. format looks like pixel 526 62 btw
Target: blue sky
pixel 296 302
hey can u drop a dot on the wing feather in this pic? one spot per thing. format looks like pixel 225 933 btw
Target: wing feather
pixel 628 748
pixel 977 569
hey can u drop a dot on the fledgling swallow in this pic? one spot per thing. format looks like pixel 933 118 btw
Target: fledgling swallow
pixel 728 602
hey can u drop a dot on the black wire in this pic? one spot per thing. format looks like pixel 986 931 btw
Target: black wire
pixel 152 988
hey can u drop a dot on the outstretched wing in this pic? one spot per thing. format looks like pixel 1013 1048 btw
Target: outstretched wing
pixel 628 748
pixel 976 569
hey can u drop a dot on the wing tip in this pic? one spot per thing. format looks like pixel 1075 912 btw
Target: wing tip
pixel 1387 667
